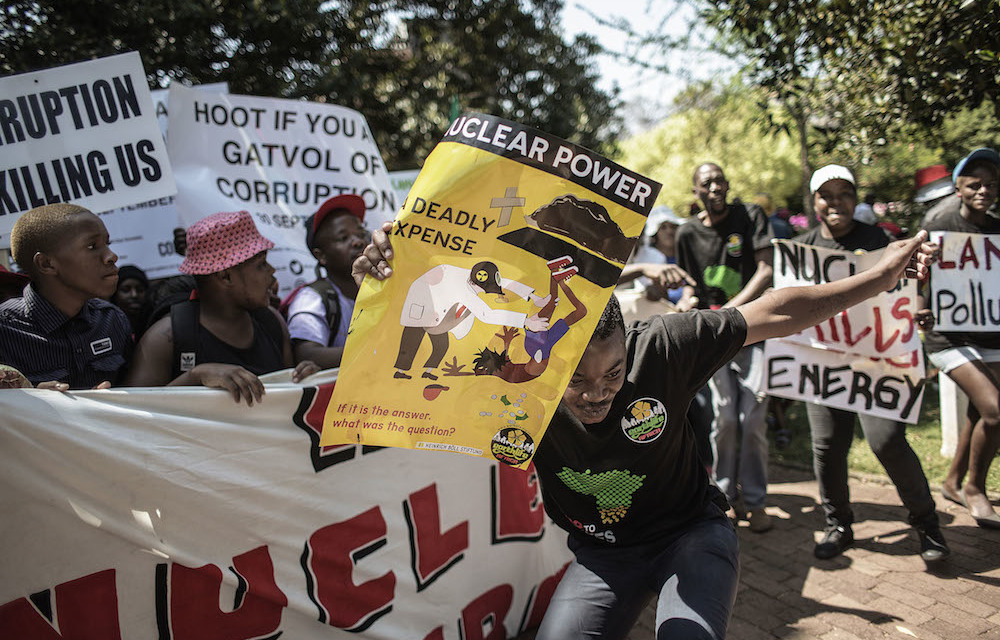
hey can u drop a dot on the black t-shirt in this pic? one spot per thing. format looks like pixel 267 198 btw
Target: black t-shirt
pixel 636 476
pixel 934 341
pixel 722 258
pixel 864 236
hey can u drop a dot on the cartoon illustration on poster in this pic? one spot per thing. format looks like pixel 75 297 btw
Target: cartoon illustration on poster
pixel 505 253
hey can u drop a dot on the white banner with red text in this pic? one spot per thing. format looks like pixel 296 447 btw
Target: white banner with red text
pixel 176 513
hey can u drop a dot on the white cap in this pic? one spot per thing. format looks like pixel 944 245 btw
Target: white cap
pixel 830 172
pixel 658 217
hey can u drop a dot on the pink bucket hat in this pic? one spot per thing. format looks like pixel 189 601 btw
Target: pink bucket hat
pixel 220 241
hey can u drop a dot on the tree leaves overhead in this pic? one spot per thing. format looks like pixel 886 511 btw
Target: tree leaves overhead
pixel 865 67
pixel 407 65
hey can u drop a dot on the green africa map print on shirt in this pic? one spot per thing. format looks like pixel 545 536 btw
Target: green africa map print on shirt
pixel 613 490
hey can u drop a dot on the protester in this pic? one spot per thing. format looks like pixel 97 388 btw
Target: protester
pixel 972 360
pixel 229 335
pixel 727 250
pixel 865 211
pixel 780 229
pixel 130 297
pixel 652 267
pixel 643 518
pixel 63 334
pixel 932 186
pixel 834 199
pixel 319 314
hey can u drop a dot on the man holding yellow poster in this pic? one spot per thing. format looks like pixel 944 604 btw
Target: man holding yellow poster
pixel 618 464
pixel 509 244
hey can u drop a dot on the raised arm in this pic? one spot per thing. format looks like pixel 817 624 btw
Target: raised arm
pixel 781 312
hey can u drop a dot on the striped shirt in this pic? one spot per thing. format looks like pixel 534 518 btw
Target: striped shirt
pixel 42 343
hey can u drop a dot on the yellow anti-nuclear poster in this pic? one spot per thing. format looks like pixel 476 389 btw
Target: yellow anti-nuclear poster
pixel 506 251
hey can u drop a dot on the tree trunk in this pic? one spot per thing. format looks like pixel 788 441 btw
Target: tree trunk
pixel 807 203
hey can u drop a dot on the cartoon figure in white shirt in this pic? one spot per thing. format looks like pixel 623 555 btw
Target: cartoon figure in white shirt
pixel 446 299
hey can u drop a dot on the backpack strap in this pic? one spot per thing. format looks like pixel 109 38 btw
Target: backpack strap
pixel 331 303
pixel 184 326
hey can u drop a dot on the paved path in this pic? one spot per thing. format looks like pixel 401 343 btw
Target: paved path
pixel 878 589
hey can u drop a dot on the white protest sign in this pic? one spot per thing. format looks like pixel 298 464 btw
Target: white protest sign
pixel 84 133
pixel 279 160
pixel 177 513
pixel 881 326
pixel 888 388
pixel 965 282
pixel 143 233
pixel 402 181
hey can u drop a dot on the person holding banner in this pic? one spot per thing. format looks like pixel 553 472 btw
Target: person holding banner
pixel 618 463
pixel 727 250
pixel 834 198
pixel 972 360
pixel 229 335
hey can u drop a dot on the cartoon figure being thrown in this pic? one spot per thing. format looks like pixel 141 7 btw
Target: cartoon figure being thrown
pixel 446 299
pixel 538 344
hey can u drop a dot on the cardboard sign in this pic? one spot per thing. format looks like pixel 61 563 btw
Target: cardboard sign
pixel 143 232
pixel 881 326
pixel 279 160
pixel 84 133
pixel 506 252
pixel 888 388
pixel 965 282
pixel 177 513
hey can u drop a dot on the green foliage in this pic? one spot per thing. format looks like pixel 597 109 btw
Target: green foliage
pixel 403 63
pixel 872 84
pixel 723 127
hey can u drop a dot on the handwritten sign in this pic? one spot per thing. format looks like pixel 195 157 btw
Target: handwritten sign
pixel 965 282
pixel 888 388
pixel 881 326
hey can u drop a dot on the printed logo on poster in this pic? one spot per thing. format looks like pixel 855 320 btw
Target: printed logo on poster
pixel 512 446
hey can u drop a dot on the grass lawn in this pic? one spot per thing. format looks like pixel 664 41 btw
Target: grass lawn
pixel 924 437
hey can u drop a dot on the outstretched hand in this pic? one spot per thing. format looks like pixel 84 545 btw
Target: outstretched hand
pixel 668 276
pixel 910 258
pixel 374 260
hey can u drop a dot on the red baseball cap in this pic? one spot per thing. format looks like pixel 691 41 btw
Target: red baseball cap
pixel 353 204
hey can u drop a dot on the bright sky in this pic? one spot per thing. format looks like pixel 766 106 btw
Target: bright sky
pixel 649 93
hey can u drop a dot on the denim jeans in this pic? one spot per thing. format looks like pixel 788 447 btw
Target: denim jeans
pixel 739 427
